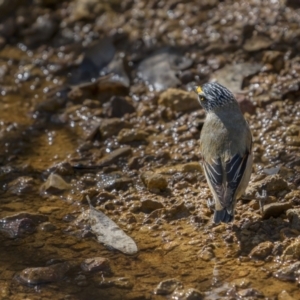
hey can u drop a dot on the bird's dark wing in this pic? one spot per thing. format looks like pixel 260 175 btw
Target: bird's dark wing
pixel 214 172
pixel 235 169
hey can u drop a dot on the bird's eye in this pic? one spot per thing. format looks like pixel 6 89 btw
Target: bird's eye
pixel 201 98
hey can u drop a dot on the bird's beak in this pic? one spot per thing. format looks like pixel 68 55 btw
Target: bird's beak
pixel 198 90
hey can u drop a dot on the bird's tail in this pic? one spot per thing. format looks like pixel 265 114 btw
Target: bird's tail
pixel 223 216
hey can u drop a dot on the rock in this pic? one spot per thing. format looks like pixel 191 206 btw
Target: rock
pixel 55 184
pixel 95 264
pixel 109 206
pixel 219 228
pixel 81 280
pixel 107 231
pixel 257 42
pixel 90 192
pixel 275 58
pixel 181 185
pixel 154 181
pixel 116 68
pixel 254 204
pixel 113 181
pixel 275 209
pixel 288 233
pixel 166 287
pixel 91 104
pixel 232 76
pixel 159 69
pixel 112 85
pixel 47 227
pixel 273 184
pixel 63 168
pixel 41 30
pixel 131 135
pixel 206 254
pixel 15 225
pixel 272 171
pixel 111 127
pixel 103 197
pixel 242 282
pixel 106 85
pixel 293 130
pixel 85 9
pixel 288 273
pixel 2 42
pixel 193 294
pixel 6 172
pixel 183 168
pixel 118 106
pixel 46 2
pixel 284 295
pixel 113 156
pixel 178 100
pixel 134 163
pixel 8 6
pixel 121 283
pixel 128 218
pixel 35 218
pixel 294 217
pixel 4 290
pixel 262 250
pixel 250 293
pixel 292 251
pixel 148 205
pixel 21 185
pixel 187 294
pixel 170 246
pixel 154 215
pixel 48 209
pixel 35 276
pixel 293 141
pixel 292 3
pixel 187 76
pixel 245 104
pixel 178 211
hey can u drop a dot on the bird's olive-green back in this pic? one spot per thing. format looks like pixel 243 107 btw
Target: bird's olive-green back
pixel 225 132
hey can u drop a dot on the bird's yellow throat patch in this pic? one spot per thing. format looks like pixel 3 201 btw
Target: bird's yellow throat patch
pixel 198 89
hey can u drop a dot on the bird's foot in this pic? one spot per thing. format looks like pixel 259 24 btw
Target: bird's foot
pixel 211 204
pixel 262 199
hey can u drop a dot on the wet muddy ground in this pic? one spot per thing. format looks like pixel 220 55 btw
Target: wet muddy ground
pixel 99 93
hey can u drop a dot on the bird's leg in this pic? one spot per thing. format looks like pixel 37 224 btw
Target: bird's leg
pixel 211 204
pixel 261 199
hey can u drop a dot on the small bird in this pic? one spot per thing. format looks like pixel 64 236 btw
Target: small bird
pixel 225 145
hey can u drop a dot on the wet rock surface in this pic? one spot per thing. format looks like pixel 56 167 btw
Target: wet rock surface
pixel 262 250
pixel 178 100
pixel 95 264
pixel 97 101
pixel 55 184
pixel 167 286
pixel 22 223
pixel 35 276
pixel 154 181
pixel 294 217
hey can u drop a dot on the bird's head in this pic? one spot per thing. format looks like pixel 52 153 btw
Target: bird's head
pixel 213 95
